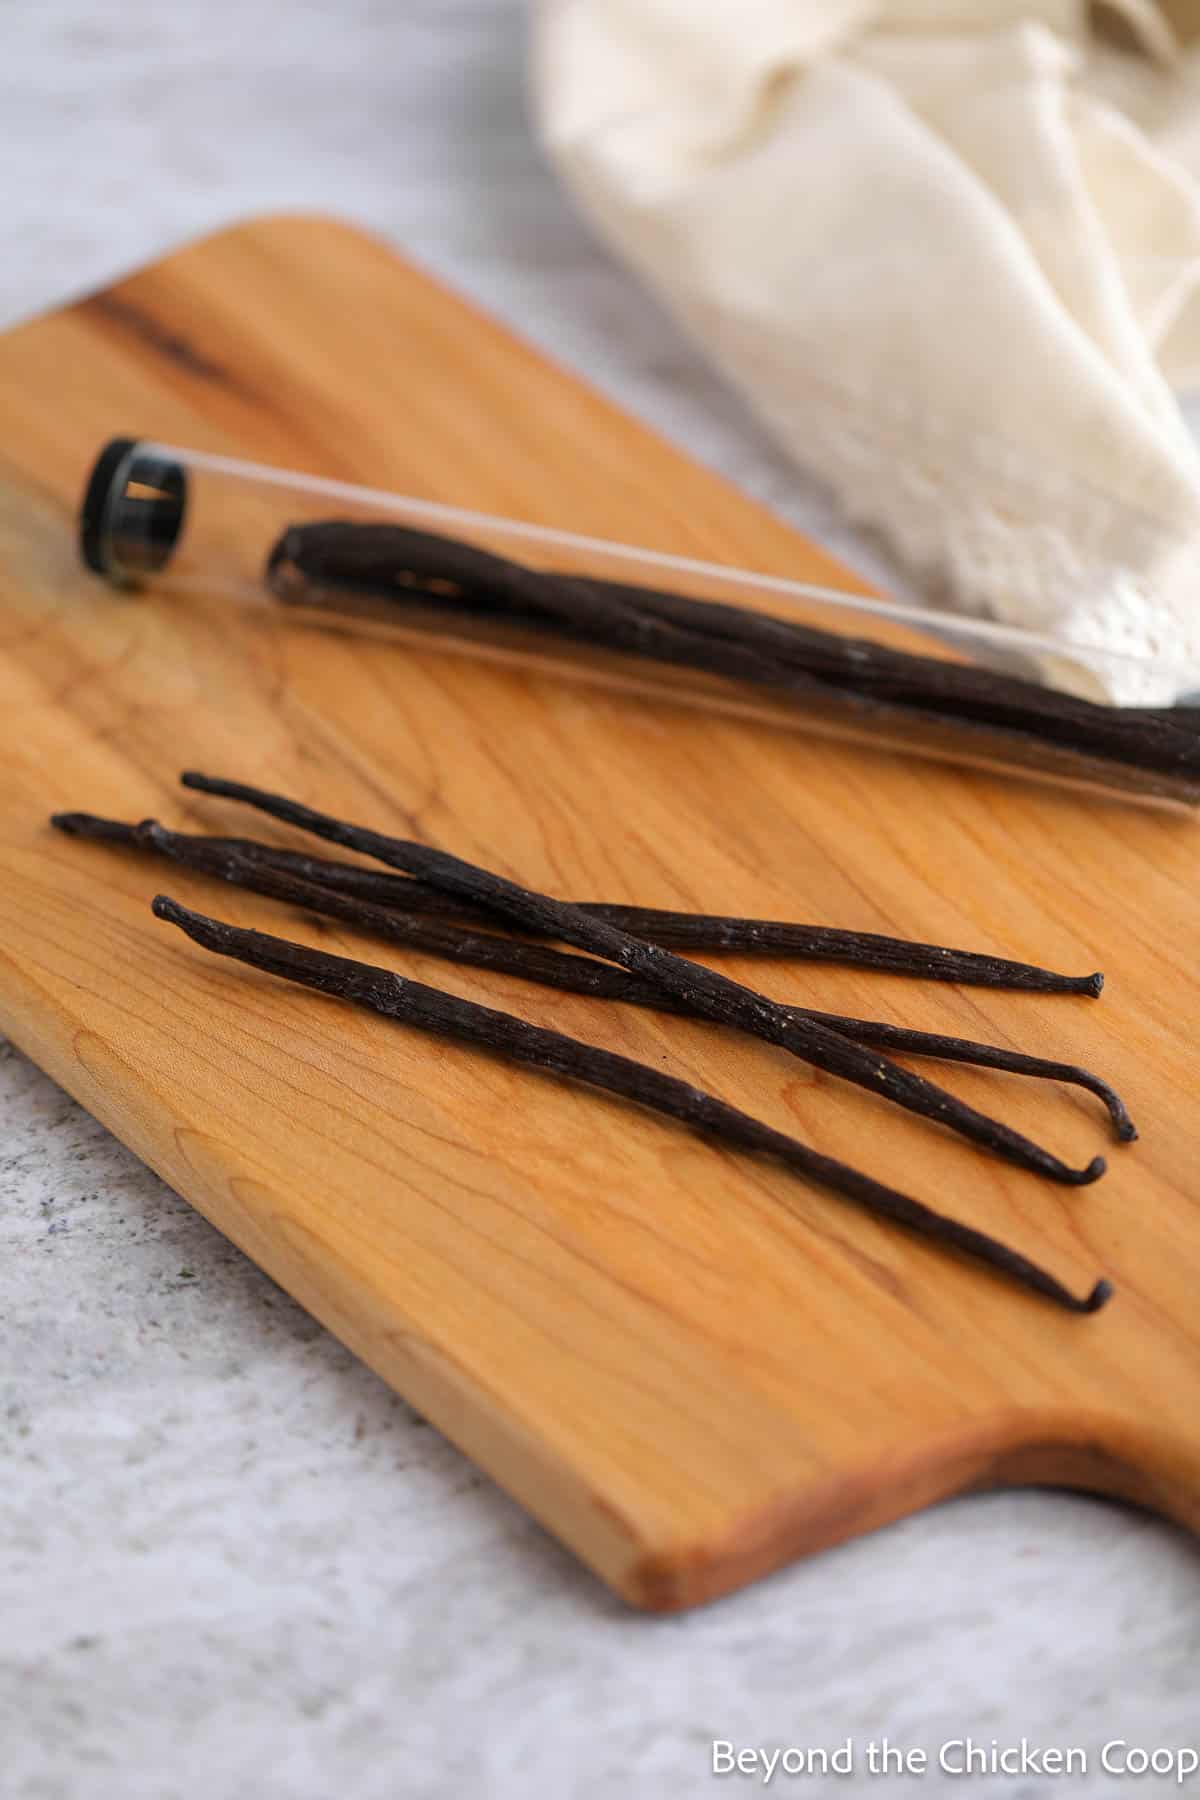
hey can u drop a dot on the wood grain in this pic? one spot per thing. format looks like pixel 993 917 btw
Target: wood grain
pixel 689 1365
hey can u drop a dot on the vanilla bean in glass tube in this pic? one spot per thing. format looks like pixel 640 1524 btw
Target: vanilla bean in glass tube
pixel 660 629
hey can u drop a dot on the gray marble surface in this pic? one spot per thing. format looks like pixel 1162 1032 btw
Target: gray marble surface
pixel 231 1562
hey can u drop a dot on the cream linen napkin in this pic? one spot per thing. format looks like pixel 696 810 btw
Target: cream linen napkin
pixel 951 253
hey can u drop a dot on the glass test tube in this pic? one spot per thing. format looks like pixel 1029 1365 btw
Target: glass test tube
pixel 352 559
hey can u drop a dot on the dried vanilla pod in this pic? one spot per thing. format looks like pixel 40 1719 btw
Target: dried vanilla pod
pixel 709 994
pixel 247 864
pixel 552 1053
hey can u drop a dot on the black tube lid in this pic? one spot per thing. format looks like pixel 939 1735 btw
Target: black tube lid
pixel 132 510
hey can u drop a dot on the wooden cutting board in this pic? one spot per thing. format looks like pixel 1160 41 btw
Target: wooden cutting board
pixel 690 1365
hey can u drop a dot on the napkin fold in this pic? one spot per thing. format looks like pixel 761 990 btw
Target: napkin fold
pixel 951 254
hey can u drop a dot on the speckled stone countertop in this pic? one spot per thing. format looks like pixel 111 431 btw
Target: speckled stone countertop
pixel 231 1562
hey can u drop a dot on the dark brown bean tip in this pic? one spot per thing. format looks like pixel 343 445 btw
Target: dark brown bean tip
pixel 1093 1172
pixel 82 824
pixel 1091 985
pixel 1099 1297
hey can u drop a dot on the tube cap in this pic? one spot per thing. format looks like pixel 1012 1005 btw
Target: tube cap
pixel 132 510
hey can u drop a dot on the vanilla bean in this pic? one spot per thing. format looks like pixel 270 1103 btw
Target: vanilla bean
pixel 225 861
pixel 711 934
pixel 1161 737
pixel 552 1053
pixel 711 995
pixel 816 668
pixel 394 559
